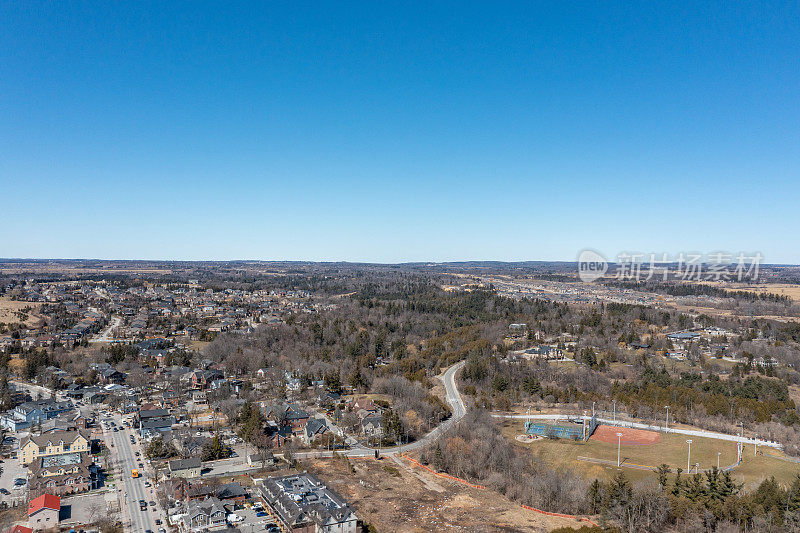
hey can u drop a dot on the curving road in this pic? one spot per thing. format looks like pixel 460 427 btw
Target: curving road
pixel 453 399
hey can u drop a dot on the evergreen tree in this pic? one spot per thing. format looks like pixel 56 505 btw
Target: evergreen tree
pixel 595 496
pixel 663 471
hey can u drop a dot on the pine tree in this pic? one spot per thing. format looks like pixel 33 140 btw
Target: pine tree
pixel 663 471
pixel 595 496
pixel 696 491
pixel 438 458
pixel 793 499
pixel 619 490
pixel 678 487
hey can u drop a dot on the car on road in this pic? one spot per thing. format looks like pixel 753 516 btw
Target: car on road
pixel 146 483
pixel 158 521
pixel 262 513
pixel 162 530
pixel 152 503
pixel 4 491
pixel 148 531
pixel 273 529
pixel 20 481
pixel 137 454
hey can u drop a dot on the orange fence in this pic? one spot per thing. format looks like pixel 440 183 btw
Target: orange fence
pixel 482 487
pixel 442 474
pixel 559 515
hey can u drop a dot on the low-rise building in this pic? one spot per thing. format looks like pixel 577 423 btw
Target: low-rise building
pixel 34 447
pixel 204 515
pixel 29 414
pixel 303 503
pixel 185 468
pixel 43 512
pixel 68 473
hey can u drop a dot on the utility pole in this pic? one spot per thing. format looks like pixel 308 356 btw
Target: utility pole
pixel 718 454
pixel 689 457
pixel 619 446
pixel 666 424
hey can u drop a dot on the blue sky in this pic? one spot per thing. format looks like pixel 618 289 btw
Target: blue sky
pixel 396 132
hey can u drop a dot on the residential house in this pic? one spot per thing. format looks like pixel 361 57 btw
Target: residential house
pixel 204 515
pixel 315 427
pixel 185 468
pixel 29 414
pixel 255 460
pixel 290 415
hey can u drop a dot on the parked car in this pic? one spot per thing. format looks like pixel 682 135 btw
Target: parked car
pixel 4 491
pixel 20 481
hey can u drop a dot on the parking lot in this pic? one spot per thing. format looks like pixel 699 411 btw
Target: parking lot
pixel 84 508
pixel 17 495
pixel 252 523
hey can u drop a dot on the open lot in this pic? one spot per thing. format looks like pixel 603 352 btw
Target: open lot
pixel 393 496
pixel 12 312
pixel 671 449
pixel 84 508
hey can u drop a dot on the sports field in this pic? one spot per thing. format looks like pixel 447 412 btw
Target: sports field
pixel 638 455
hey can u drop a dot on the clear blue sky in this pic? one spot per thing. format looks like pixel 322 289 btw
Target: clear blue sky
pixel 397 132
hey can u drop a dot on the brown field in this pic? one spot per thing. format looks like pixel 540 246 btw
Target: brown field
pixel 671 449
pixel 781 289
pixel 9 308
pixel 630 436
pixel 393 497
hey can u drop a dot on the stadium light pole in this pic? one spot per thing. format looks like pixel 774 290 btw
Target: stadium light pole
pixel 718 454
pixel 755 445
pixel 619 446
pixel 666 423
pixel 689 457
pixel 592 408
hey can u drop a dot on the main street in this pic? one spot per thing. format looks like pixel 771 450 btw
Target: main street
pixel 132 490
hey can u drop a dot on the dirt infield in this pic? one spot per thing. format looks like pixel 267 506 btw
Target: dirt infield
pixel 630 436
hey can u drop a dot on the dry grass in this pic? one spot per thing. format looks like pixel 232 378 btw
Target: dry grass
pixel 672 450
pixel 9 310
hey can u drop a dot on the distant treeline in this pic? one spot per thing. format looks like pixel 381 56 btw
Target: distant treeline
pixel 697 289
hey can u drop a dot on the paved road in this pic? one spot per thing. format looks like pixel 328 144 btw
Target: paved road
pixel 105 335
pixel 638 425
pixel 359 450
pixel 132 490
pixel 453 398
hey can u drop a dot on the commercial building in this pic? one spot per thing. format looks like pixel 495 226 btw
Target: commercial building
pixel 34 447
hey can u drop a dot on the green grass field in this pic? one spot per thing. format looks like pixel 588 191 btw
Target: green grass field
pixel 672 450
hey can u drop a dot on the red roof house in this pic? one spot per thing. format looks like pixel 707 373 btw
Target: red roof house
pixel 20 529
pixel 43 512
